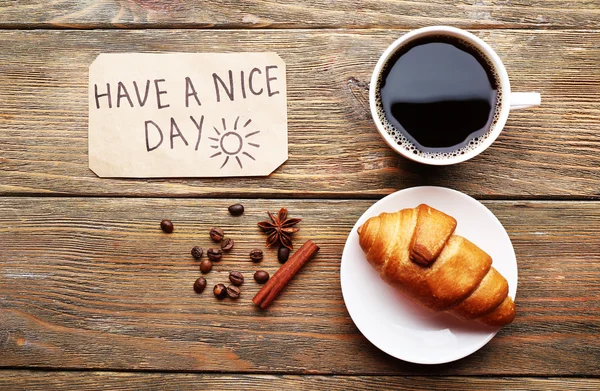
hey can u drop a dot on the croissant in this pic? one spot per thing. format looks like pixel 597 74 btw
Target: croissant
pixel 415 251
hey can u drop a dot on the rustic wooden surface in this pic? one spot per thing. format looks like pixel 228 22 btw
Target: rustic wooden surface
pixel 299 14
pixel 94 296
pixel 66 381
pixel 335 150
pixel 94 283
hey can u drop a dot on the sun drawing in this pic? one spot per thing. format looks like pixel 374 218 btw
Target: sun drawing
pixel 232 143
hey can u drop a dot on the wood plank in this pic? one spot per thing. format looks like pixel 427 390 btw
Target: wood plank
pixel 41 380
pixel 93 283
pixel 335 150
pixel 299 14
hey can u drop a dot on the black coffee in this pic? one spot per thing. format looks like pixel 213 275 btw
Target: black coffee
pixel 440 94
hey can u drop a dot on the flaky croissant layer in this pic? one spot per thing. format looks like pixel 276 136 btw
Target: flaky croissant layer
pixel 416 251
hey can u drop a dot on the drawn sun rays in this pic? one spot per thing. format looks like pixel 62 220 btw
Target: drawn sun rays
pixel 232 143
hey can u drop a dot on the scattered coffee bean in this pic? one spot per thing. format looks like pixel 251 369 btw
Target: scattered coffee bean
pixel 214 254
pixel 236 278
pixel 205 266
pixel 200 284
pixel 283 254
pixel 197 252
pixel 261 276
pixel 166 226
pixel 220 291
pixel 256 255
pixel 227 244
pixel 233 291
pixel 236 210
pixel 216 234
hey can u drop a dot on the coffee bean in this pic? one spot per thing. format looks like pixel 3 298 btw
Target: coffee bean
pixel 214 254
pixel 256 255
pixel 233 291
pixel 200 284
pixel 205 266
pixel 197 252
pixel 166 226
pixel 261 276
pixel 216 234
pixel 227 244
pixel 236 278
pixel 220 291
pixel 283 254
pixel 236 210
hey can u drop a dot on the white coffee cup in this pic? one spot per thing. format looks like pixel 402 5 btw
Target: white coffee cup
pixel 510 100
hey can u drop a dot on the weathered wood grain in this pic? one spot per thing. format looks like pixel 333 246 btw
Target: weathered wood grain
pixel 93 283
pixel 335 151
pixel 11 380
pixel 298 14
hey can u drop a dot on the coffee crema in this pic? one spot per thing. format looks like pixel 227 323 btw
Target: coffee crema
pixel 438 97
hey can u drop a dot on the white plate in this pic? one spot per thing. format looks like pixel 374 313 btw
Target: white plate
pixel 389 319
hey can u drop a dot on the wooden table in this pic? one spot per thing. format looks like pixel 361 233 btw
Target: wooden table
pixel 94 296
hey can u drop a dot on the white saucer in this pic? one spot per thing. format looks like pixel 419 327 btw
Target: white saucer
pixel 389 319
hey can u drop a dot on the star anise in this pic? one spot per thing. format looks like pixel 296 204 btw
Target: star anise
pixel 280 228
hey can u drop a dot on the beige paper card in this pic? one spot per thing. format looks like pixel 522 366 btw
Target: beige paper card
pixel 187 114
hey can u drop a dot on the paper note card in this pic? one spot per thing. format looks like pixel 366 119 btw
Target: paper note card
pixel 187 114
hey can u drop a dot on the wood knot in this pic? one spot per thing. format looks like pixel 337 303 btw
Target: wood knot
pixel 360 93
pixel 16 337
pixel 355 83
pixel 4 337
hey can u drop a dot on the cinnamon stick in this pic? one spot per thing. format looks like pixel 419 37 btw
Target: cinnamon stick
pixel 286 272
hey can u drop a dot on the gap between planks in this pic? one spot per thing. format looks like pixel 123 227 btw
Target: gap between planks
pixel 158 26
pixel 285 373
pixel 300 197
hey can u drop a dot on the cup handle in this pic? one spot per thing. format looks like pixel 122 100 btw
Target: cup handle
pixel 523 100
